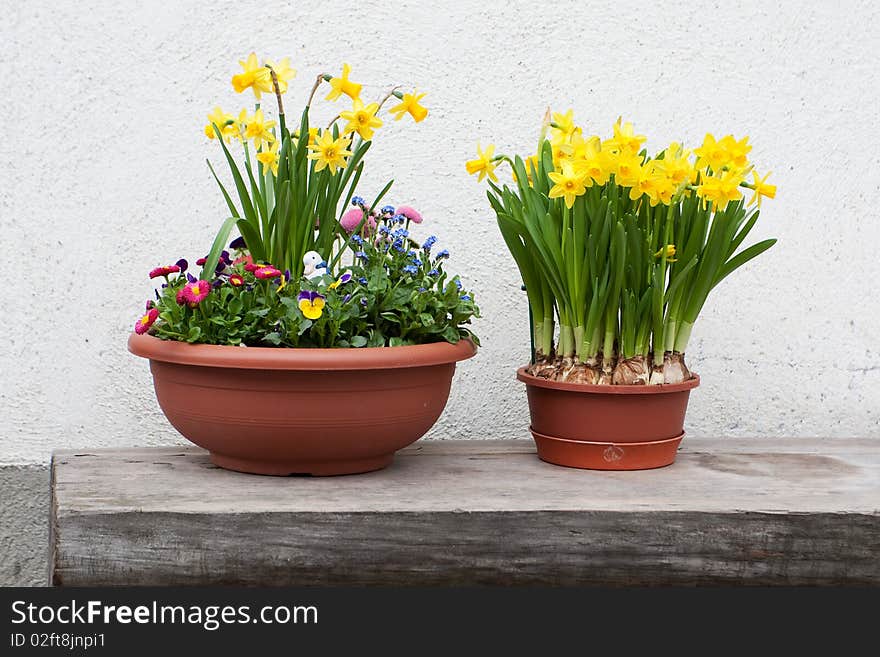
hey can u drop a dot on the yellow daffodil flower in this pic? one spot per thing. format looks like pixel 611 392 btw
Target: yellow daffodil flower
pixel 529 162
pixel 594 162
pixel 342 85
pixel 563 127
pixel 283 72
pixel 649 184
pixel 269 158
pixel 259 129
pixel 224 121
pixel 409 104
pixel 761 188
pixel 362 119
pixel 562 152
pixel 569 184
pixel 737 151
pixel 712 154
pixel 624 141
pixel 241 124
pixel 579 146
pixel 665 190
pixel 720 189
pixel 254 77
pixel 313 133
pixel 628 170
pixel 676 164
pixel 667 252
pixel 484 165
pixel 329 152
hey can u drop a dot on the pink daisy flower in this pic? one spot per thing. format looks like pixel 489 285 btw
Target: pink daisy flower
pixel 181 297
pixel 164 271
pixel 236 280
pixel 196 292
pixel 351 219
pixel 144 323
pixel 410 213
pixel 266 272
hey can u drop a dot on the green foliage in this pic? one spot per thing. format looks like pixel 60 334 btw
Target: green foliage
pixel 392 292
pixel 283 216
pixel 620 276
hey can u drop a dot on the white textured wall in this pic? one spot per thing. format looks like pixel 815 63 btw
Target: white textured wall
pixel 103 176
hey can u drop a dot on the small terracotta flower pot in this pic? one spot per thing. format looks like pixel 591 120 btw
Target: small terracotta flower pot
pixel 283 411
pixel 607 427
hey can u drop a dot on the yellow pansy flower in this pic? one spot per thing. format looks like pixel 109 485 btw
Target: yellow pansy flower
pixel 362 119
pixel 624 141
pixel 254 77
pixel 283 72
pixel 484 164
pixel 269 158
pixel 409 104
pixel 342 85
pixel 761 188
pixel 342 280
pixel 224 121
pixel 311 304
pixel 259 129
pixel 569 184
pixel 329 152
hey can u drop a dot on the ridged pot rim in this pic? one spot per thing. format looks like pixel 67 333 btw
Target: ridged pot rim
pixel 289 358
pixel 591 388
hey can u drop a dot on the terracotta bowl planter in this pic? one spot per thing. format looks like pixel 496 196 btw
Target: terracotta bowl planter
pixel 283 411
pixel 607 427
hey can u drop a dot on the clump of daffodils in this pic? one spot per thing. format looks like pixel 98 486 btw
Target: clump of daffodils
pixel 315 265
pixel 619 249
pixel 292 182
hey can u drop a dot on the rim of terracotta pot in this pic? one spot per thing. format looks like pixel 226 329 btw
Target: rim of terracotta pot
pixel 538 382
pixel 289 358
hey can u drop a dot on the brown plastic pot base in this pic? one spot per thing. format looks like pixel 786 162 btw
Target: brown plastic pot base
pixel 607 456
pixel 309 468
pixel 607 427
pixel 279 411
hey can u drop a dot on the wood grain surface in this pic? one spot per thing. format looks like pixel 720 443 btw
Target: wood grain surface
pixel 729 511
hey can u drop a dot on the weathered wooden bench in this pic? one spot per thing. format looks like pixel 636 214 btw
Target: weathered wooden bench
pixel 758 512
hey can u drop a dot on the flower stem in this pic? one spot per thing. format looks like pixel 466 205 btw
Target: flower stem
pixel 315 86
pixel 277 96
pixel 387 96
